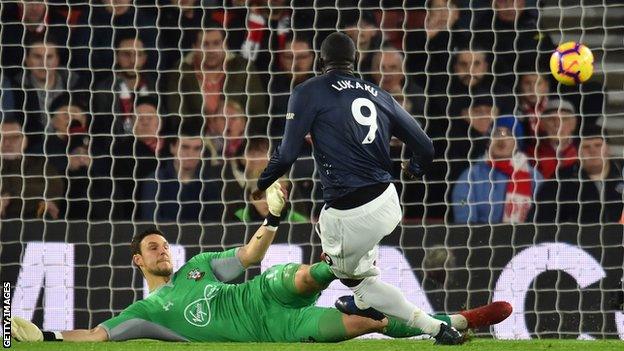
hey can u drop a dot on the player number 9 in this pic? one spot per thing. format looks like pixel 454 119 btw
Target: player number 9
pixel 356 111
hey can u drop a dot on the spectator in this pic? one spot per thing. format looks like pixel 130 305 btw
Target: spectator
pixel 7 96
pixel 208 75
pixel 80 191
pixel 145 142
pixel 136 155
pixel 388 74
pixel 177 23
pixel 428 50
pixel 532 92
pixel 510 32
pixel 224 135
pixel 115 95
pixel 241 175
pixel 365 33
pixel 23 20
pixel 235 24
pixel 468 136
pixel 99 28
pixel 587 192
pixel 472 77
pixel 181 189
pixel 465 141
pixel 42 81
pixel 67 116
pixel 214 134
pixel 88 193
pixel 501 187
pixel 295 65
pixel 29 188
pixel 555 148
pixel 471 73
pixel 116 171
pixel 268 26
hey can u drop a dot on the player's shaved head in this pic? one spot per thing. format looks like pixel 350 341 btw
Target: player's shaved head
pixel 338 52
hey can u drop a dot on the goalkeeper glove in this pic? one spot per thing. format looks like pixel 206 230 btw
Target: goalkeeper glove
pixel 276 199
pixel 23 330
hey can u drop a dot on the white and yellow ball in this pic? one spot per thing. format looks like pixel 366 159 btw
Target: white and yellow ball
pixel 572 63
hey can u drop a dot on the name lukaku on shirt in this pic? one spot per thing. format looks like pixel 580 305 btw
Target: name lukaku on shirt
pixel 349 84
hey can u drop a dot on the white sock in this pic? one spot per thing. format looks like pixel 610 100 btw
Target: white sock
pixel 389 300
pixel 425 322
pixel 458 321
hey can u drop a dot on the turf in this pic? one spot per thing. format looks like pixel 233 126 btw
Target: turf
pixel 356 345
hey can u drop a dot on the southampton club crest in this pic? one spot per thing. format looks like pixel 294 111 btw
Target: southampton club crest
pixel 195 274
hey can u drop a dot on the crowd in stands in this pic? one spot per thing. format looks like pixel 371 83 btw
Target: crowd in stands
pixel 166 110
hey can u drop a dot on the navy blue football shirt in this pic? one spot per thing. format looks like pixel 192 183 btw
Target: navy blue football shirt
pixel 351 122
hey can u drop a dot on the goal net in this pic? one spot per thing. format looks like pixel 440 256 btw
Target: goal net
pixel 121 115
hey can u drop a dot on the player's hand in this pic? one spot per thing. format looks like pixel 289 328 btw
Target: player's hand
pixel 276 198
pixel 411 171
pixel 23 330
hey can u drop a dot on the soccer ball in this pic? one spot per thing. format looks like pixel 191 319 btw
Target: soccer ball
pixel 572 63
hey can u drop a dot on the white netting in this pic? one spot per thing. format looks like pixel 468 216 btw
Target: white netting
pixel 120 114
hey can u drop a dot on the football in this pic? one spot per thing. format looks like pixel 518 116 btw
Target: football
pixel 572 63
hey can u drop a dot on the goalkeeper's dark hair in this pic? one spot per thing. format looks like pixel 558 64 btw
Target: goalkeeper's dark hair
pixel 135 244
pixel 338 53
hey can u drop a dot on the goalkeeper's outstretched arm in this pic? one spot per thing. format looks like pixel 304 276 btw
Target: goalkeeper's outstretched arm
pixel 95 334
pixel 253 252
pixel 24 330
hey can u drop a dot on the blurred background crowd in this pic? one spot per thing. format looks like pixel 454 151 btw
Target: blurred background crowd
pixel 166 110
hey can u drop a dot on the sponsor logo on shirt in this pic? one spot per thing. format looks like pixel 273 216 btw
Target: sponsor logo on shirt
pixel 197 312
pixel 195 274
pixel 290 115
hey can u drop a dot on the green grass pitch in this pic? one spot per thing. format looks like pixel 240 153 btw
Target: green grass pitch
pixel 355 345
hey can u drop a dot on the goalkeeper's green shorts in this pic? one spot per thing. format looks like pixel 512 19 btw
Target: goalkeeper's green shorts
pixel 291 317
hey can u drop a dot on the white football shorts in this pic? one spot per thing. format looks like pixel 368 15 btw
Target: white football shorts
pixel 350 237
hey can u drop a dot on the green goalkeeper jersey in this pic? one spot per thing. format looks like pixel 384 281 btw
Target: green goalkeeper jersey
pixel 196 305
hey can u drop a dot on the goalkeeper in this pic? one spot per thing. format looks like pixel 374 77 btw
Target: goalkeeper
pixel 197 304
